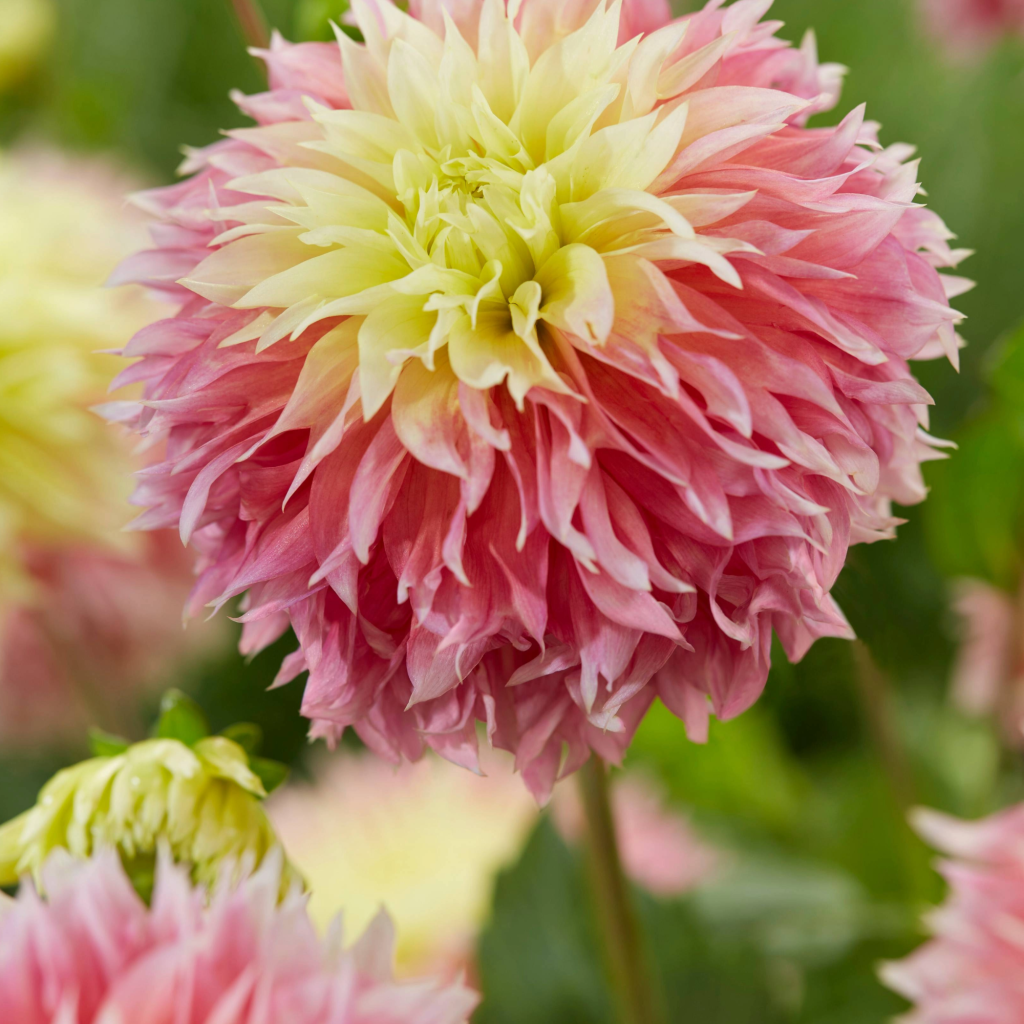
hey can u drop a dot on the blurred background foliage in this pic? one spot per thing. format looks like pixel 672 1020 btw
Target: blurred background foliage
pixel 808 791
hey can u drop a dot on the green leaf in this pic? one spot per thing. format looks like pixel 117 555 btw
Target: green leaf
pixel 181 718
pixel 141 872
pixel 313 20
pixel 271 773
pixel 716 776
pixel 1006 369
pixel 975 513
pixel 248 735
pixel 799 910
pixel 540 958
pixel 104 744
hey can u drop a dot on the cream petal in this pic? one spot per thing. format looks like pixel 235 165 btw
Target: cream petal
pixel 577 296
pixel 504 61
pixel 226 275
pixel 426 417
pixel 490 353
pixel 399 326
pixel 366 77
pixel 414 92
pixel 334 275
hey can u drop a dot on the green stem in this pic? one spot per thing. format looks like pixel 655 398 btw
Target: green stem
pixel 628 969
pixel 252 22
pixel 874 690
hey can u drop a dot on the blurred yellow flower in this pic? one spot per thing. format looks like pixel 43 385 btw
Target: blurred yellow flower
pixel 26 27
pixel 427 839
pixel 64 474
pixel 87 611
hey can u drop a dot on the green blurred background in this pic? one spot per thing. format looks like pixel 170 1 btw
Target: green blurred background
pixel 809 789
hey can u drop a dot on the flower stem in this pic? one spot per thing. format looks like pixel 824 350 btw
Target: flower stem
pixel 874 691
pixel 628 969
pixel 252 22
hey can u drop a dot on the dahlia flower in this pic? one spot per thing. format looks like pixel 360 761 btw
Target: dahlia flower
pixel 965 27
pixel 85 611
pixel 536 370
pixel 659 849
pixel 427 840
pixel 201 802
pixel 988 676
pixel 92 952
pixel 970 971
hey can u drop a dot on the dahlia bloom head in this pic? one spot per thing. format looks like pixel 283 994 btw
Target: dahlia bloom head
pixel 966 28
pixel 969 971
pixel 91 952
pixel 84 608
pixel 531 369
pixel 659 848
pixel 426 839
pixel 988 676
pixel 201 802
pixel 63 227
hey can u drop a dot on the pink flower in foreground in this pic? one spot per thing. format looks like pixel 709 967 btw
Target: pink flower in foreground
pixel 92 953
pixel 550 378
pixel 989 673
pixel 971 971
pixel 659 849
pixel 965 27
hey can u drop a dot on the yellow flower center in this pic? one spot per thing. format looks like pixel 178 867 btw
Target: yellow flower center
pixel 472 203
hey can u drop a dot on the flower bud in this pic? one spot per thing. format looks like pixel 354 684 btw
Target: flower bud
pixel 202 801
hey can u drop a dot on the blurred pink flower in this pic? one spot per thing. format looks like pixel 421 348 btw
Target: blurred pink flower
pixel 659 849
pixel 971 970
pixel 426 839
pixel 988 677
pixel 551 379
pixel 92 953
pixel 101 625
pixel 965 27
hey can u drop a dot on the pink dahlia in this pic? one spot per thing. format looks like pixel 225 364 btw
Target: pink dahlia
pixel 965 27
pixel 988 677
pixel 93 953
pixel 101 624
pixel 534 371
pixel 659 849
pixel 971 970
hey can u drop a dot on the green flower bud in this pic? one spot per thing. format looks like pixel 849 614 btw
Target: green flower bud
pixel 202 801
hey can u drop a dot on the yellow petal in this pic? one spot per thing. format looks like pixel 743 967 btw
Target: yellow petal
pixel 504 62
pixel 611 213
pixel 424 412
pixel 577 296
pixel 336 274
pixel 227 274
pixel 392 333
pixel 628 155
pixel 485 356
pixel 414 92
pixel 366 77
